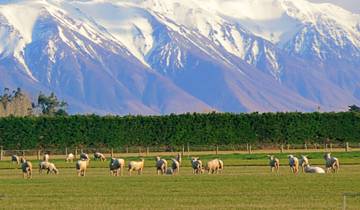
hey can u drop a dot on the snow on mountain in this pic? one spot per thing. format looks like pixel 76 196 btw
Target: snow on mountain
pixel 162 56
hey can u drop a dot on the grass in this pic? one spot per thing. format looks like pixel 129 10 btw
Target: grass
pixel 246 183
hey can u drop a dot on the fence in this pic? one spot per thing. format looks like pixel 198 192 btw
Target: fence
pixel 185 149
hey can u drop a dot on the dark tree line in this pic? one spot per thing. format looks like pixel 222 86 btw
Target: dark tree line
pixel 195 129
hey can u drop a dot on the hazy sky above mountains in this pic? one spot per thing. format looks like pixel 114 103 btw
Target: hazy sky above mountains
pixel 352 5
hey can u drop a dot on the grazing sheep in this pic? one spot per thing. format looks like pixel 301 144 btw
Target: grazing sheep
pixel 15 159
pixel 99 156
pixel 43 165
pixel 294 164
pixel 81 166
pixel 136 166
pixel 52 169
pixel 197 166
pixel 175 166
pixel 116 166
pixel 178 158
pixel 46 157
pixel 331 163
pixel 70 157
pixel 304 161
pixel 161 165
pixel 26 168
pixel 274 163
pixel 84 156
pixel 170 171
pixel 314 170
pixel 213 166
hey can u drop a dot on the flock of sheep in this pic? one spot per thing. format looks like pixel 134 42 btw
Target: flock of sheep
pixel 117 165
pixel 331 164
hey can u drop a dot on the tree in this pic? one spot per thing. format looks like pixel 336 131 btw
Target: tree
pixel 50 105
pixel 354 108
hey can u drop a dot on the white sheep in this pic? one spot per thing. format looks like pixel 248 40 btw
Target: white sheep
pixel 221 168
pixel 303 161
pixel 99 156
pixel 136 166
pixel 52 169
pixel 175 166
pixel 81 166
pixel 43 165
pixel 46 157
pixel 196 165
pixel 26 168
pixel 274 163
pixel 15 159
pixel 116 166
pixel 314 170
pixel 161 165
pixel 294 164
pixel 178 158
pixel 331 163
pixel 70 157
pixel 213 166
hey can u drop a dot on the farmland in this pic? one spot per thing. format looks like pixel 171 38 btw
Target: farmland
pixel 246 183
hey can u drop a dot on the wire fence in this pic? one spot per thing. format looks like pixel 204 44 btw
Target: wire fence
pixel 183 149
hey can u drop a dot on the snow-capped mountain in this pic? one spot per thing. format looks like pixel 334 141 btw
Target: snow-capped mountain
pixel 164 56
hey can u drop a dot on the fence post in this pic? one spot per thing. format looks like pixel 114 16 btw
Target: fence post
pixel 38 154
pixel 282 148
pixel 76 152
pixel 112 152
pixel 139 151
pixel 127 149
pixel 147 151
pixel 288 147
pixel 1 152
pixel 66 151
pixel 217 149
pixel 347 147
pixel 188 149
pixel 305 146
pixel 23 153
pixel 326 147
pixel 330 147
pixel 249 148
pixel 183 150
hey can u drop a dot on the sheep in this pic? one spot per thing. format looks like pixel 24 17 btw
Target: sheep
pixel 136 166
pixel 26 168
pixel 196 164
pixel 116 165
pixel 221 168
pixel 178 158
pixel 331 163
pixel 52 169
pixel 99 156
pixel 304 161
pixel 161 165
pixel 43 165
pixel 170 171
pixel 81 166
pixel 46 157
pixel 15 159
pixel 84 156
pixel 294 164
pixel 70 157
pixel 314 170
pixel 274 163
pixel 213 166
pixel 175 166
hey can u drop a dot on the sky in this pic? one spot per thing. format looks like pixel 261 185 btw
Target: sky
pixel 352 5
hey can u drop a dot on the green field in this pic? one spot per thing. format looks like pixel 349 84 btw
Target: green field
pixel 246 183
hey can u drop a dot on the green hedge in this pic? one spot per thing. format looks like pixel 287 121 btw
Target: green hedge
pixel 195 129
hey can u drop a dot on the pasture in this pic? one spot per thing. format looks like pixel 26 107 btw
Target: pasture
pixel 246 183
